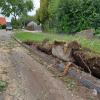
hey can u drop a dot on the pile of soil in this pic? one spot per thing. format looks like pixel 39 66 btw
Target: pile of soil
pixel 70 69
pixel 72 52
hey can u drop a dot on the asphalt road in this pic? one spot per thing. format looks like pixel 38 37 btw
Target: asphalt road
pixel 28 79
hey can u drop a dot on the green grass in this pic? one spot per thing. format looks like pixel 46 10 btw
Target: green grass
pixel 3 85
pixel 38 37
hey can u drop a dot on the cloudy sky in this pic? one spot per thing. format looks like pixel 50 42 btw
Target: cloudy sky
pixel 36 6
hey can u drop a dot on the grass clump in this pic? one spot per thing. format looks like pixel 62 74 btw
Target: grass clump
pixel 3 85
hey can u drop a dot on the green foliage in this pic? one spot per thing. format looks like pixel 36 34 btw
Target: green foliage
pixel 69 16
pixel 97 31
pixel 43 11
pixel 16 23
pixel 2 26
pixel 15 7
pixel 22 21
pixel 42 14
pixel 37 16
pixel 3 85
pixel 76 15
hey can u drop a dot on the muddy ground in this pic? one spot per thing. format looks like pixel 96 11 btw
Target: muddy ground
pixel 28 79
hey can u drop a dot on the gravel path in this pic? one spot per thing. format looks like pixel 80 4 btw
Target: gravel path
pixel 28 79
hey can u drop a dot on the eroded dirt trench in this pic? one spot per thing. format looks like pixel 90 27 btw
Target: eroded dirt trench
pixel 27 79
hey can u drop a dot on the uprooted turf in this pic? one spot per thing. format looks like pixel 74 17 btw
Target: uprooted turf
pixel 93 44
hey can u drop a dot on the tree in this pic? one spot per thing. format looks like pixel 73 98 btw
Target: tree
pixel 42 13
pixel 52 11
pixel 69 16
pixel 24 20
pixel 15 7
pixel 96 21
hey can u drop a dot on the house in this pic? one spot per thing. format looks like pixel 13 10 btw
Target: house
pixel 2 21
pixel 32 26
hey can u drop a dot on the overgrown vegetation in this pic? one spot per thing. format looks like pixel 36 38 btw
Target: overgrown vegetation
pixel 68 16
pixel 38 37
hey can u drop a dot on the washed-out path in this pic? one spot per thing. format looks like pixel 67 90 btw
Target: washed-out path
pixel 27 78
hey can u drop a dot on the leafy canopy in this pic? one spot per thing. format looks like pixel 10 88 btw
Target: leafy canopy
pixel 15 7
pixel 69 16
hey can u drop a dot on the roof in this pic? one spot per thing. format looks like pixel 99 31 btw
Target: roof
pixel 2 21
pixel 31 23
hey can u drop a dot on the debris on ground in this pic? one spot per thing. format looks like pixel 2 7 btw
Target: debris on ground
pixel 72 52
pixel 69 68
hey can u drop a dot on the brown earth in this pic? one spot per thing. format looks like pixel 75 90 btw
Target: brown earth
pixel 50 63
pixel 73 52
pixel 30 80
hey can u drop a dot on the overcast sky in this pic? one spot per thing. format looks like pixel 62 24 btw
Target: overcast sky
pixel 36 6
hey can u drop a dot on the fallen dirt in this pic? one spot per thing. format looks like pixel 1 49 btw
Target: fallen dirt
pixel 28 79
pixel 72 84
pixel 71 52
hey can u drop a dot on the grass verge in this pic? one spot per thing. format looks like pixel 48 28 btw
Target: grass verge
pixel 93 44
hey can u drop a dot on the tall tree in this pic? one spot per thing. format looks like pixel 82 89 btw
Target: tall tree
pixel 43 10
pixel 15 7
pixel 69 16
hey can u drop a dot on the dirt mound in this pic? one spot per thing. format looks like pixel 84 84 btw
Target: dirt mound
pixel 72 52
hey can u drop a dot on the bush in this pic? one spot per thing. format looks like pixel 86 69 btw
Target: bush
pixel 2 26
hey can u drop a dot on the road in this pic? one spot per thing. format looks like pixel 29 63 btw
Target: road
pixel 27 79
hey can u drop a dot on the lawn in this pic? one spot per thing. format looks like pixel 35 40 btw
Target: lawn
pixel 38 37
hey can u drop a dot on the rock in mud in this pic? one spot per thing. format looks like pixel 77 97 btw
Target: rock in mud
pixel 58 51
pixel 64 50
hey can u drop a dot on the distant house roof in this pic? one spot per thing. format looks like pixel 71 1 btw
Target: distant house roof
pixel 2 21
pixel 33 26
pixel 31 23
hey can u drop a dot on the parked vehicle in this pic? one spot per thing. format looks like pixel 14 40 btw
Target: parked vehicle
pixel 9 26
